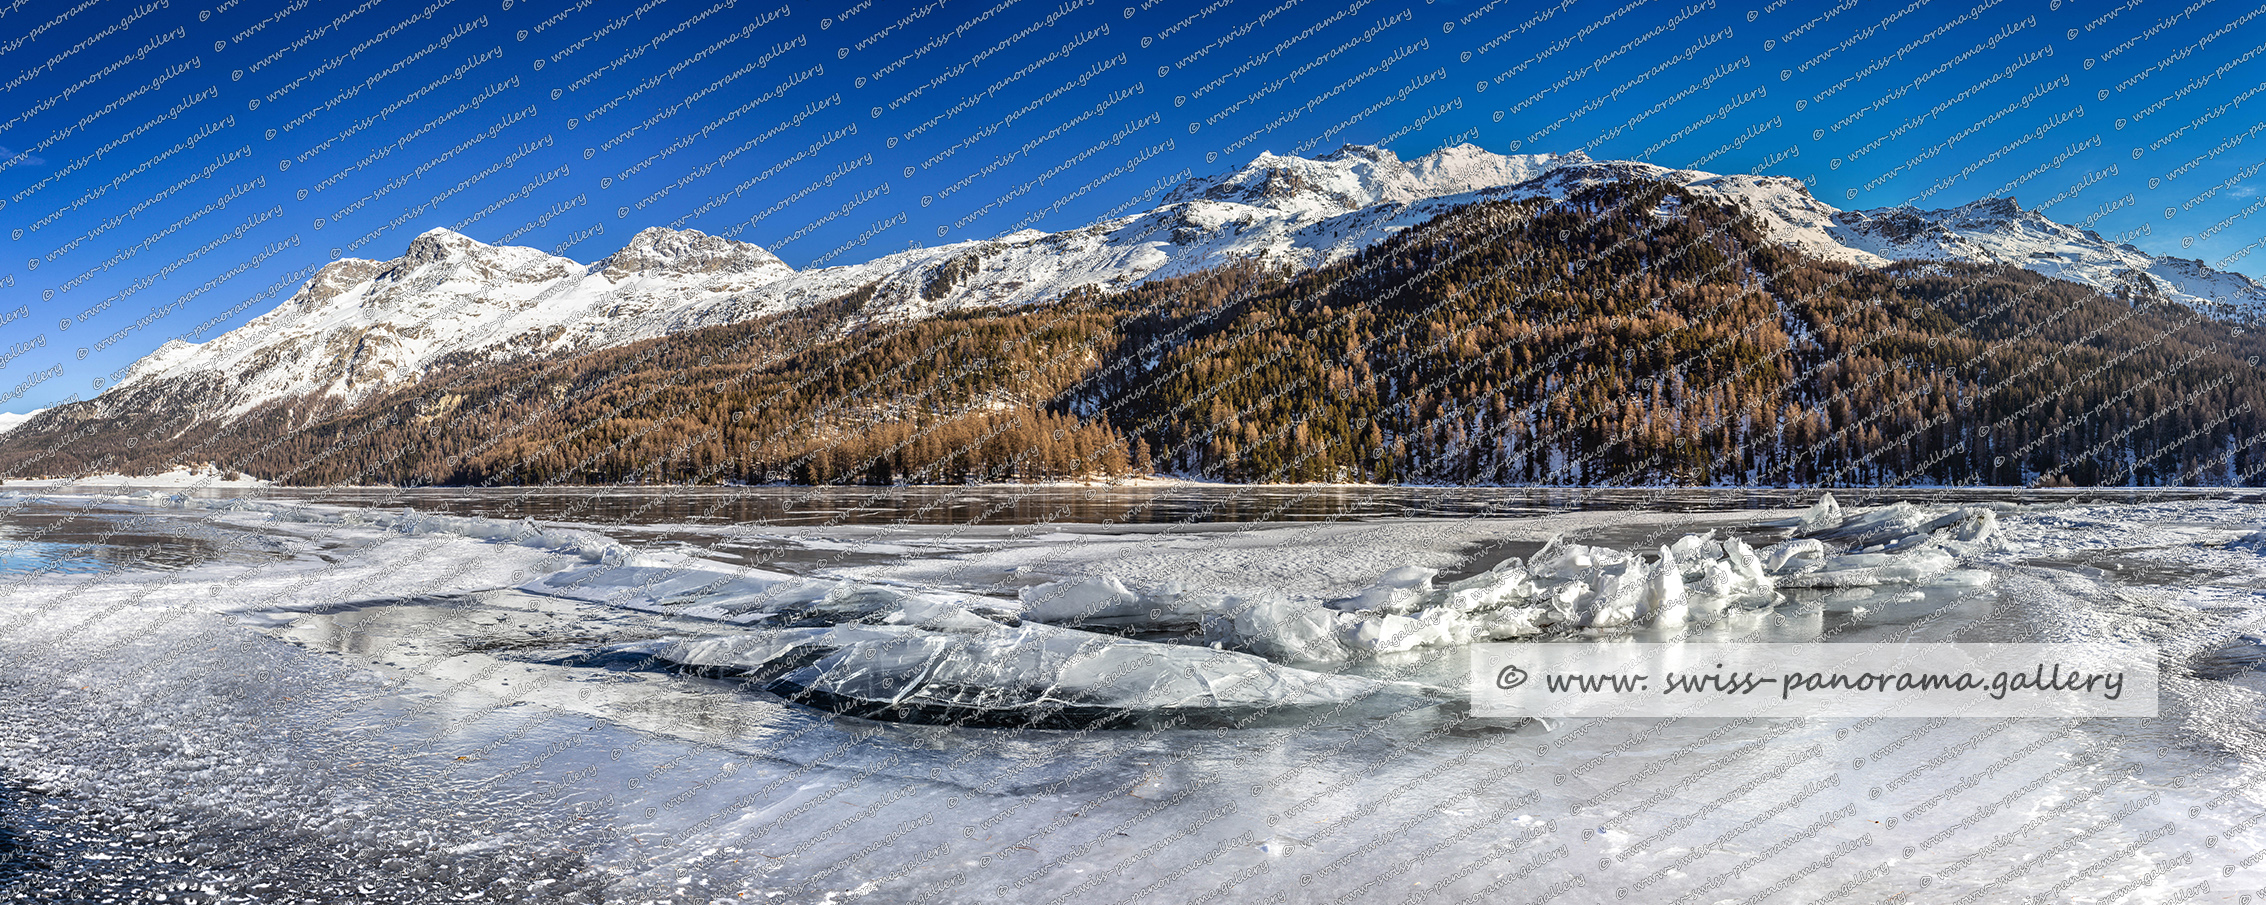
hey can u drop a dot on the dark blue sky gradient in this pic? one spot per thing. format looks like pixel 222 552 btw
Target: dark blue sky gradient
pixel 171 170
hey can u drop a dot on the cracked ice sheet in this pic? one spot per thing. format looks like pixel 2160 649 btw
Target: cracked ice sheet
pixel 2192 552
pixel 730 793
pixel 2063 528
pixel 139 711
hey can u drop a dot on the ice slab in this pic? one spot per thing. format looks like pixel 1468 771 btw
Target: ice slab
pixel 1106 601
pixel 1277 627
pixel 689 591
pixel 1900 526
pixel 750 595
pixel 1823 515
pixel 1043 676
pixel 1867 569
pixel 1399 591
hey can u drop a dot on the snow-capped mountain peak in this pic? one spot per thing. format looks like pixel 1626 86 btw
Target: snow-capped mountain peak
pixel 1295 185
pixel 660 249
pixel 1993 229
pixel 441 254
pixel 1358 176
pixel 1468 167
pixel 444 237
pixel 437 245
pixel 336 277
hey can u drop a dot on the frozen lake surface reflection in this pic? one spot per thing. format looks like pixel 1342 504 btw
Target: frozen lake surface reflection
pixel 1215 696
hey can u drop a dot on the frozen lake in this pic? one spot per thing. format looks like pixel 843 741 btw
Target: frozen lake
pixel 1053 694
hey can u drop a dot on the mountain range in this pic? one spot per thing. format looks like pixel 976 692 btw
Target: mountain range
pixel 360 329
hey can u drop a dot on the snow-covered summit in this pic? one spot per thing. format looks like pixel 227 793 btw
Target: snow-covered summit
pixel 660 250
pixel 439 244
pixel 1468 167
pixel 1358 176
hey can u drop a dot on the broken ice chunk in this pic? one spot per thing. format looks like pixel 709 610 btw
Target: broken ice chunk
pixel 1971 524
pixel 1884 525
pixel 1565 603
pixel 1614 602
pixel 1559 559
pixel 1619 597
pixel 1402 590
pixel 1080 600
pixel 1964 578
pixel 1663 602
pixel 1713 584
pixel 1823 515
pixel 1800 555
pixel 1507 583
pixel 1443 627
pixel 1279 628
pixel 1865 569
pixel 1748 566
pixel 1690 545
pixel 1386 633
pixel 1489 591
pixel 1510 622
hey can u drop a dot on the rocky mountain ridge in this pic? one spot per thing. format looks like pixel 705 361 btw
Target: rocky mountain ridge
pixel 359 327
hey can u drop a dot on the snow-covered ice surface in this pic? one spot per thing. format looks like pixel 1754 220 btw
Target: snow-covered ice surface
pixel 303 701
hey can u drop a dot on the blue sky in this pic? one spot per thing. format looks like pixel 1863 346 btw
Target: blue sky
pixel 171 170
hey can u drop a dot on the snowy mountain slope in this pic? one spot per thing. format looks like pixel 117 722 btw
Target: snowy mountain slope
pixel 361 326
pixel 1993 230
pixel 8 420
pixel 1999 230
pixel 1286 210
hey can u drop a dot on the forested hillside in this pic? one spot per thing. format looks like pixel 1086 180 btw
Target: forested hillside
pixel 1596 344
pixel 1632 333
